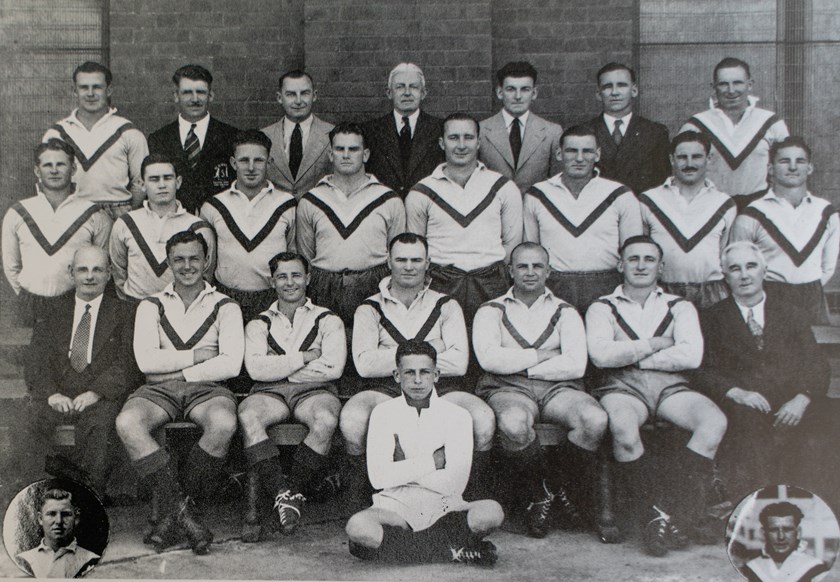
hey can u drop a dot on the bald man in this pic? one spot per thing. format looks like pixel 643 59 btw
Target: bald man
pixel 79 368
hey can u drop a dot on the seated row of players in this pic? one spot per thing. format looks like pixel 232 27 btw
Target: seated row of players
pixel 189 339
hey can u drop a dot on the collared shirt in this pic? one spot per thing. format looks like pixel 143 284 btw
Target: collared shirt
pixel 337 231
pixel 375 348
pixel 39 242
pixel 583 233
pixel 274 345
pixel 800 245
pixel 740 152
pixel 166 335
pixel 442 424
pixel 796 567
pixel 610 120
pixel 78 312
pixel 289 127
pixel 691 234
pixel 618 331
pixel 249 233
pixel 66 562
pixel 200 129
pixel 523 121
pixel 412 120
pixel 138 248
pixel 507 334
pixel 757 311
pixel 488 208
pixel 108 157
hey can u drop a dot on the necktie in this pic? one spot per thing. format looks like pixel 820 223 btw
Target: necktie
pixel 515 138
pixel 79 346
pixel 756 330
pixel 616 134
pixel 295 150
pixel 405 141
pixel 192 146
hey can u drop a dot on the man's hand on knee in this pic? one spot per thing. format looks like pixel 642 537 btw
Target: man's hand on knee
pixel 85 399
pixel 60 403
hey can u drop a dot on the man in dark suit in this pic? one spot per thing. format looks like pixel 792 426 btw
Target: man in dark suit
pixel 77 369
pixel 300 142
pixel 529 154
pixel 634 150
pixel 762 364
pixel 201 145
pixel 404 143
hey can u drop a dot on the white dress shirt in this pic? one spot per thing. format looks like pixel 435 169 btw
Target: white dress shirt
pixel 412 120
pixel 523 120
pixel 289 127
pixel 200 129
pixel 625 121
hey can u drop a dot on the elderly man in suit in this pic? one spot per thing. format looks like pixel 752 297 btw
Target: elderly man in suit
pixel 634 150
pixel 762 364
pixel 518 144
pixel 199 144
pixel 404 143
pixel 76 368
pixel 300 141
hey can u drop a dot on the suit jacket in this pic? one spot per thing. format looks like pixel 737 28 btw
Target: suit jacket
pixel 537 158
pixel 212 172
pixel 641 161
pixel 314 165
pixel 790 362
pixel 385 162
pixel 112 372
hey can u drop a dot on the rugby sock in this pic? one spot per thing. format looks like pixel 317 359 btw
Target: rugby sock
pixel 531 463
pixel 359 489
pixel 688 497
pixel 638 481
pixel 402 545
pixel 307 463
pixel 264 458
pixel 201 472
pixel 575 466
pixel 157 474
pixel 479 485
pixel 362 552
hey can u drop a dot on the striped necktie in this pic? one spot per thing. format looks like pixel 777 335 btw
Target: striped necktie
pixel 79 346
pixel 192 146
pixel 756 330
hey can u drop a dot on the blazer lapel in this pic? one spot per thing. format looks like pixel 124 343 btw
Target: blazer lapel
pixel 534 136
pixel 105 323
pixel 604 139
pixel 280 161
pixel 389 137
pixel 740 332
pixel 630 143
pixel 422 140
pixel 211 140
pixel 318 140
pixel 498 137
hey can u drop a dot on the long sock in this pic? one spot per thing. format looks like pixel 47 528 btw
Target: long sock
pixel 639 482
pixel 530 462
pixel 157 473
pixel 264 457
pixel 576 465
pixel 363 552
pixel 400 545
pixel 688 497
pixel 307 463
pixel 359 489
pixel 479 486
pixel 201 473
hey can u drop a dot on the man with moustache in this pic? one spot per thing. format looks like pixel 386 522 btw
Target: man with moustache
pixel 294 351
pixel 634 150
pixel 108 148
pixel 404 142
pixel 187 340
pixel 41 234
pixel 300 141
pixel 471 217
pixel 690 219
pixel 741 133
pixel 138 239
pixel 198 143
pixel 581 219
pixel 253 221
pixel 515 142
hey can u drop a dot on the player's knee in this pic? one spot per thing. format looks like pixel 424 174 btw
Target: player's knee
pixel 360 530
pixel 484 427
pixel 249 417
pixel 515 426
pixel 220 424
pixel 593 421
pixel 713 425
pixel 485 515
pixel 324 423
pixel 354 423
pixel 128 425
pixel 625 432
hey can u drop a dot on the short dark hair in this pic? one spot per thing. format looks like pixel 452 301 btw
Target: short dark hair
pixel 689 137
pixel 461 116
pixel 528 245
pixel 349 128
pixel 780 509
pixel 578 131
pixel 287 257
pixel 194 73
pixel 58 495
pixel 254 136
pixel 640 239
pixel 610 67
pixel 185 237
pixel 157 158
pixel 56 145
pixel 409 238
pixel 516 69
pixel 792 141
pixel 93 67
pixel 415 347
pixel 294 74
pixel 730 63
